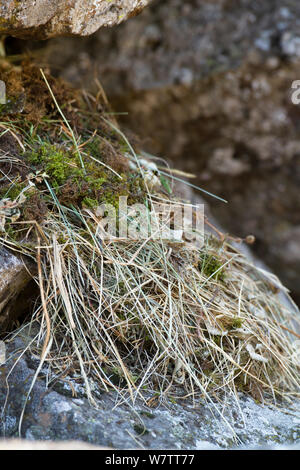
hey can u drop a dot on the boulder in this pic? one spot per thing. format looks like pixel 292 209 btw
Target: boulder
pixel 15 276
pixel 48 18
pixel 62 412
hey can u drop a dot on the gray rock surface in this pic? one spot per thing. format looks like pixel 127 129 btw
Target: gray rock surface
pixel 48 18
pixel 55 413
pixel 15 274
pixel 175 42
pixel 25 444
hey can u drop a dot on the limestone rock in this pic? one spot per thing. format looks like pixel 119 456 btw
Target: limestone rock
pixel 62 412
pixel 14 278
pixel 25 444
pixel 48 18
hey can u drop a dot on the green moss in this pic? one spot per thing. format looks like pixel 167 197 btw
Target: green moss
pixel 57 162
pixel 147 414
pixel 88 187
pixel 173 400
pixel 141 430
pixel 211 266
pixel 78 181
pixel 10 232
pixel 12 191
pixel 237 322
pixel 89 202
pixel 125 147
pixel 111 197
pixel 217 340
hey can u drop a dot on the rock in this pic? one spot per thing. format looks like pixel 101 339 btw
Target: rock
pixel 62 412
pixel 14 279
pixel 210 82
pixel 24 444
pixel 175 42
pixel 48 18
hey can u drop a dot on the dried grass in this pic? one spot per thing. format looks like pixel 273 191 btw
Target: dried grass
pixel 138 316
pixel 135 319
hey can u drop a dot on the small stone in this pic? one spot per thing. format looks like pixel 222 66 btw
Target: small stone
pixel 14 277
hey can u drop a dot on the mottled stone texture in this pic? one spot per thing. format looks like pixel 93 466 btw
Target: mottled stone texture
pixel 48 18
pixel 62 412
pixel 14 278
pixel 26 444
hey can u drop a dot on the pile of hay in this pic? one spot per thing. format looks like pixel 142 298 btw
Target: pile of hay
pixel 124 314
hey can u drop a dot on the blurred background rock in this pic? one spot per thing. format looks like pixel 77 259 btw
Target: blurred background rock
pixel 207 84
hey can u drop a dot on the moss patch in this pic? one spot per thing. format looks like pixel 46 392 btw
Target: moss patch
pixel 85 175
pixel 211 266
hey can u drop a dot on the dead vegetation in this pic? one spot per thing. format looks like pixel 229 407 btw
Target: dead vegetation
pixel 128 315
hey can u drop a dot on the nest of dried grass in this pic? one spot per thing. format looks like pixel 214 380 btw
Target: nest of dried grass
pixel 149 315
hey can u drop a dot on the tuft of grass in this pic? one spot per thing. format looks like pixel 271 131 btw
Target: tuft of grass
pixel 134 315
